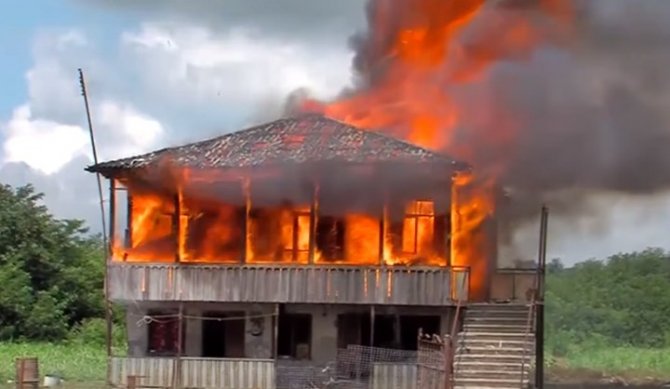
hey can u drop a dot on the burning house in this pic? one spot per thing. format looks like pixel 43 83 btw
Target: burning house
pixel 292 244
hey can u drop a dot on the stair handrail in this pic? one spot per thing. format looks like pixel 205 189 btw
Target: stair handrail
pixel 538 286
pixel 524 345
pixel 451 352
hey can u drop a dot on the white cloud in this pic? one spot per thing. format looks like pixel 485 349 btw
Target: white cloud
pixel 239 66
pixel 42 144
pixel 47 132
pixel 126 131
pixel 47 145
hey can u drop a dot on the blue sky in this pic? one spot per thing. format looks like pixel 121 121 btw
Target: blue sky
pixel 186 70
pixel 21 21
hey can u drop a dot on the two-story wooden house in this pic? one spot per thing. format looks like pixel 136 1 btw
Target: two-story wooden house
pixel 280 244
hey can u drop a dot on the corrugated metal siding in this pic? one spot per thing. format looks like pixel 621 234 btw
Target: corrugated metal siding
pixel 394 376
pixel 282 284
pixel 154 371
pixel 228 374
pixel 197 372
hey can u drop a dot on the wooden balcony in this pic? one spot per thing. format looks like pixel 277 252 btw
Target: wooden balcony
pixel 427 286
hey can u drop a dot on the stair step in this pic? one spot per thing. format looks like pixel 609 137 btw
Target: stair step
pixel 522 329
pixel 494 335
pixel 495 374
pixel 500 306
pixel 490 383
pixel 485 387
pixel 520 321
pixel 496 343
pixel 497 312
pixel 495 358
pixel 491 366
pixel 464 350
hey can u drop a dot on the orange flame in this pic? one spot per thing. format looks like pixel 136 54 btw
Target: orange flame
pixel 414 57
pixel 216 232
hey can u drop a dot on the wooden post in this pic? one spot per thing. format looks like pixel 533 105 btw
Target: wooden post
pixel 447 348
pixel 108 260
pixel 129 221
pixel 454 221
pixel 313 218
pixel 539 313
pixel 372 325
pixel 246 192
pixel 275 332
pixel 383 222
pixel 176 372
pixel 176 227
pixel 112 216
pixel 447 228
pixel 132 381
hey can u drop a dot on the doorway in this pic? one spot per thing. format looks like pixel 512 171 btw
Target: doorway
pixel 223 335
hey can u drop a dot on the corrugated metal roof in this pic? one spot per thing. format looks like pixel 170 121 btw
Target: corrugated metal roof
pixel 304 139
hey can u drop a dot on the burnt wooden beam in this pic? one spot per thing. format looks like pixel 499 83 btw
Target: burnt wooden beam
pixel 454 220
pixel 176 227
pixel 246 191
pixel 383 221
pixel 313 218
pixel 275 331
pixel 129 220
pixel 372 325
pixel 112 217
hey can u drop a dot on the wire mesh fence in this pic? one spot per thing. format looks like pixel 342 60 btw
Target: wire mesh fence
pixel 432 361
pixel 358 367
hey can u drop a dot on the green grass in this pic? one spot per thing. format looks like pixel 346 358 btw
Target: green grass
pixel 86 363
pixel 75 362
pixel 627 362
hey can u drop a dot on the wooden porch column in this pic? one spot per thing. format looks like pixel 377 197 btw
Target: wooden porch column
pixel 246 191
pixel 275 332
pixel 313 218
pixel 455 221
pixel 108 259
pixel 112 218
pixel 129 219
pixel 176 368
pixel 372 325
pixel 383 223
pixel 176 227
pixel 449 223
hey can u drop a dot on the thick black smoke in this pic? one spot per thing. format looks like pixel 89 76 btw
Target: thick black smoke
pixel 587 108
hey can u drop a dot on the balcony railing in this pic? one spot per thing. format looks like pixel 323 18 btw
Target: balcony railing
pixel 431 286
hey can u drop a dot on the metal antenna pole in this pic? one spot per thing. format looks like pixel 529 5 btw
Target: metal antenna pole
pixel 108 307
pixel 539 314
pixel 82 83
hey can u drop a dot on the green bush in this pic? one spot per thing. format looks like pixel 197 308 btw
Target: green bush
pixel 93 332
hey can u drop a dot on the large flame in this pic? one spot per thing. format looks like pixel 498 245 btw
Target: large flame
pixel 413 59
pixel 218 232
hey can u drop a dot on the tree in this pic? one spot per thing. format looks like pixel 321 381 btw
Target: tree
pixel 51 271
pixel 622 301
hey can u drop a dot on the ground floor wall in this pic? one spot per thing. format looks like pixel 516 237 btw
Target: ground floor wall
pixel 254 330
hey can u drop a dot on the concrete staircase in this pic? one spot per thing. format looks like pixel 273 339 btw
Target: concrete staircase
pixel 492 346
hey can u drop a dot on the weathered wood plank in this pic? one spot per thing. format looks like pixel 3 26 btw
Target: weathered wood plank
pixel 428 286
